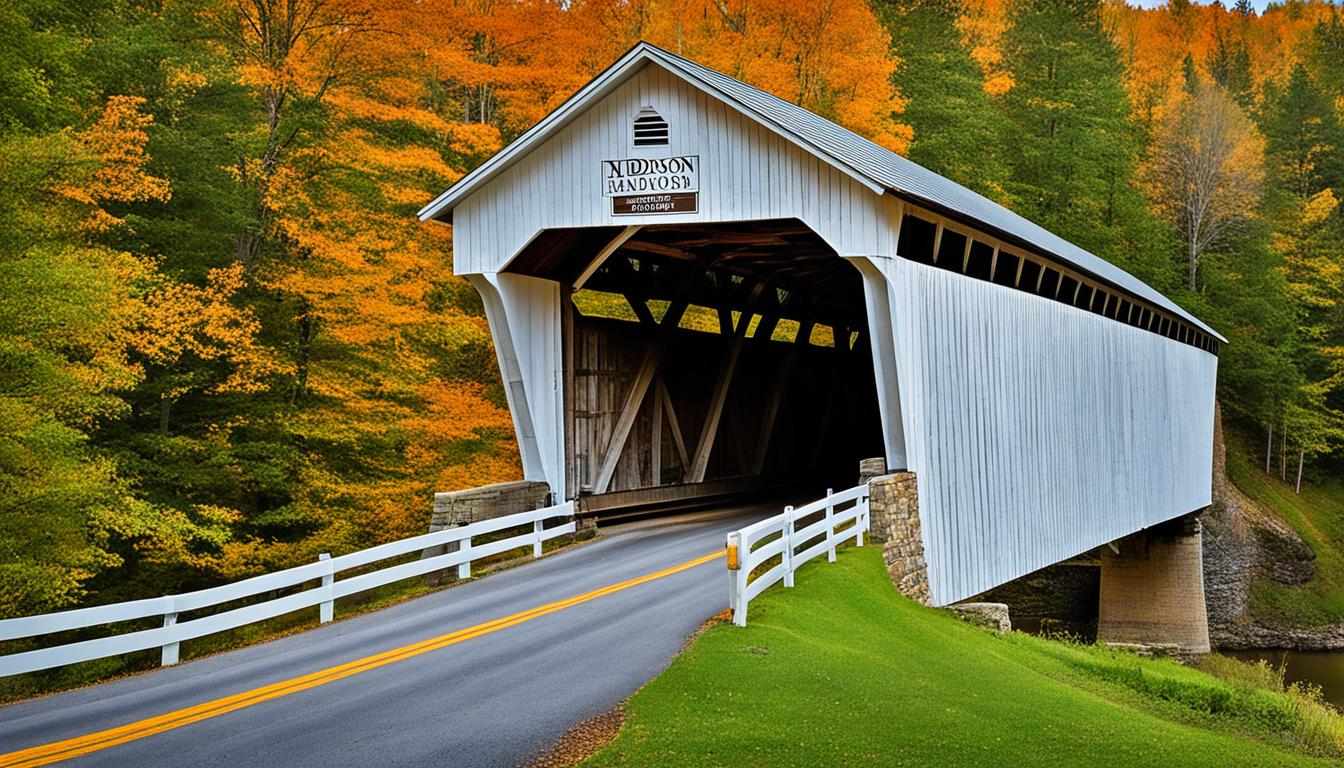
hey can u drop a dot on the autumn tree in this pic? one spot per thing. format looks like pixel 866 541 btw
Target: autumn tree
pixel 956 127
pixel 1205 170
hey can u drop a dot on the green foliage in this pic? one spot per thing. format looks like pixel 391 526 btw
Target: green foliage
pixel 1317 515
pixel 957 129
pixel 1072 168
pixel 1303 138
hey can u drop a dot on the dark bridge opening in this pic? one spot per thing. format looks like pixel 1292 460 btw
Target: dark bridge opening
pixel 706 361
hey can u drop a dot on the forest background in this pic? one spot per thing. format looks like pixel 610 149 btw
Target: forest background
pixel 227 345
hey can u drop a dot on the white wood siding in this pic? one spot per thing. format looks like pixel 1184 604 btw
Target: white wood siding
pixel 524 317
pixel 1037 430
pixel 746 172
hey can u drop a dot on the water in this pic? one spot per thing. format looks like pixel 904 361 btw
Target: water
pixel 1321 668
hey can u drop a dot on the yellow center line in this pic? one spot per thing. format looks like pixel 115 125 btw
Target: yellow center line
pixel 93 742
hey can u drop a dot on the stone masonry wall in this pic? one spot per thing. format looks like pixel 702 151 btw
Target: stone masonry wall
pixel 1152 590
pixel 487 502
pixel 893 504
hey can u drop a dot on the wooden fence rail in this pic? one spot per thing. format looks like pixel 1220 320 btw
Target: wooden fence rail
pixel 173 632
pixel 778 537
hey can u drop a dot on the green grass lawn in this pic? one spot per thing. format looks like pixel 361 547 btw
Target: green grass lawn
pixel 842 670
pixel 1317 515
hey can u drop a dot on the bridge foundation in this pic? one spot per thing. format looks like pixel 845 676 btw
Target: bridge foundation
pixel 1152 589
pixel 893 506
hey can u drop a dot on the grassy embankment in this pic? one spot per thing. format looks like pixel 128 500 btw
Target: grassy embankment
pixel 842 670
pixel 1317 515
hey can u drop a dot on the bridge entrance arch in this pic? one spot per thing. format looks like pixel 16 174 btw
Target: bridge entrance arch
pixel 700 361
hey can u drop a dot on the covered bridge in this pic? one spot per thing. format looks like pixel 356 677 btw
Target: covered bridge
pixel 694 286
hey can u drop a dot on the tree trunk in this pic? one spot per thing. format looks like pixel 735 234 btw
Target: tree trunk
pixel 1269 447
pixel 164 405
pixel 1300 454
pixel 1283 449
pixel 1194 263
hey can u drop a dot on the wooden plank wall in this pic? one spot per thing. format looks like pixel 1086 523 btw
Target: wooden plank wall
pixel 1039 430
pixel 607 354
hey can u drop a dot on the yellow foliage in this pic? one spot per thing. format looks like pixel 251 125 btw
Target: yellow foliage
pixel 183 320
pixel 983 24
pixel 117 139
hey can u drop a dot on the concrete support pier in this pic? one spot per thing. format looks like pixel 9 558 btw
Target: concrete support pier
pixel 1152 589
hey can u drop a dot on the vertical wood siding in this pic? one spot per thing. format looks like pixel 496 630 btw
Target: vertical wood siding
pixel 746 172
pixel 524 317
pixel 1039 431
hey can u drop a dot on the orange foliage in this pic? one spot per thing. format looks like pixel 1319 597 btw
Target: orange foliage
pixel 117 139
pixel 1155 42
pixel 183 320
pixel 832 58
pixel 983 24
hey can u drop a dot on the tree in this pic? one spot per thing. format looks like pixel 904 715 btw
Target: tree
pixel 1205 170
pixel 1303 137
pixel 1074 146
pixel 956 127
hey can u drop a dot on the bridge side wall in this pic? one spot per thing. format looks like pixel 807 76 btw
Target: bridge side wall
pixel 1038 430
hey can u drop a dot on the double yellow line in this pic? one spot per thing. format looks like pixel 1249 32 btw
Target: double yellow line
pixel 93 742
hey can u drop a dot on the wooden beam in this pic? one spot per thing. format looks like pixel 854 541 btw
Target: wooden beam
pixel 641 310
pixel 633 399
pixel 777 389
pixel 567 368
pixel 672 424
pixel 605 254
pixel 653 356
pixel 656 447
pixel 700 461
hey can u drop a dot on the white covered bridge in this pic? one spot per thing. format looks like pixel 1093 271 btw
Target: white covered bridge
pixel 696 288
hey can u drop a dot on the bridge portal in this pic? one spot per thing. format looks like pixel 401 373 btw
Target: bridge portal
pixel 705 360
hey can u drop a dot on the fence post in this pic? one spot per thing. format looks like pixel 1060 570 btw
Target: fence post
pixel 788 546
pixel 464 567
pixel 326 610
pixel 734 564
pixel 740 579
pixel 830 526
pixel 860 520
pixel 170 650
pixel 536 545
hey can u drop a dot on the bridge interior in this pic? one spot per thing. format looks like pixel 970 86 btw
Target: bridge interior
pixel 706 360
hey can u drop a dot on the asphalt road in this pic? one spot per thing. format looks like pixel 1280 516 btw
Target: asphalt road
pixel 495 700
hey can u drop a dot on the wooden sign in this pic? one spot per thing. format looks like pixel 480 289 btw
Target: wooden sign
pixel 681 202
pixel 652 185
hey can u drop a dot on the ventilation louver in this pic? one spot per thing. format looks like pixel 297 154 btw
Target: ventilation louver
pixel 650 129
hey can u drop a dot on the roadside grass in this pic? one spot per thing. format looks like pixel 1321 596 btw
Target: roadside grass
pixel 1317 515
pixel 18 687
pixel 842 670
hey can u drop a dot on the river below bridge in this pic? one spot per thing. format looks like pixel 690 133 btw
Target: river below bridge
pixel 1321 668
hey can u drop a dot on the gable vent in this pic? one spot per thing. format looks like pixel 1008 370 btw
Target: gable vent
pixel 650 129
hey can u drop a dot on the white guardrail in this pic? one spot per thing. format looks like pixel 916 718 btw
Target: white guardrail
pixel 325 569
pixel 779 537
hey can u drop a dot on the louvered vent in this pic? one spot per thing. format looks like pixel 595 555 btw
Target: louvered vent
pixel 650 129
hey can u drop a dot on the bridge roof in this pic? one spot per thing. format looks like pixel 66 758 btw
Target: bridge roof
pixel 879 168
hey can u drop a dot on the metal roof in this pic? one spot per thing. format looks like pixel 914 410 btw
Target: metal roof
pixel 877 167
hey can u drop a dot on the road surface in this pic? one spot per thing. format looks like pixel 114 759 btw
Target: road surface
pixel 406 685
